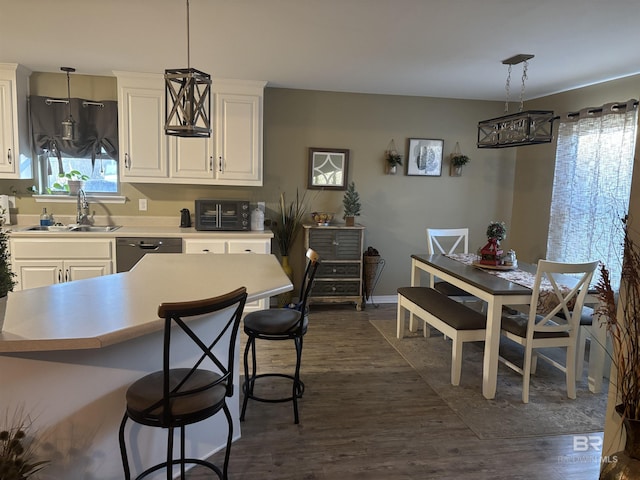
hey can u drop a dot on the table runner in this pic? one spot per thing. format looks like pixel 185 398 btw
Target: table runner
pixel 547 299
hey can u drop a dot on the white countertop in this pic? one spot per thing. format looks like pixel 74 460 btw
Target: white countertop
pixel 105 310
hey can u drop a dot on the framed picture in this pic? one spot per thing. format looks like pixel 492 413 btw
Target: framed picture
pixel 328 168
pixel 425 157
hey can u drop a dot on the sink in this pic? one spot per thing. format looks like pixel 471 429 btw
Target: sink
pixel 73 228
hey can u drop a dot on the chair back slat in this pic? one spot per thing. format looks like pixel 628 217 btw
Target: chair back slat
pixel 458 237
pixel 230 307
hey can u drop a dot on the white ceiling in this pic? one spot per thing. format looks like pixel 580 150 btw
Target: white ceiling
pixel 440 48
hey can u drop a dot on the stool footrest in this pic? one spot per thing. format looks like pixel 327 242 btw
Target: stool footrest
pixel 251 382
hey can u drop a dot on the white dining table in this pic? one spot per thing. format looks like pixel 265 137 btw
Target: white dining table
pixel 496 292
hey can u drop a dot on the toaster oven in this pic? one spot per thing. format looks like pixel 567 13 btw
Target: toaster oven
pixel 222 215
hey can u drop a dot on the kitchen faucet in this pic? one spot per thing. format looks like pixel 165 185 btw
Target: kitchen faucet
pixel 82 209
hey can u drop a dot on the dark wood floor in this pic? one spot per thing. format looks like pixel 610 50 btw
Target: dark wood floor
pixel 366 414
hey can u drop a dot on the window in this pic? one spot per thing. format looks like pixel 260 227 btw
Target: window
pixel 592 184
pixel 102 173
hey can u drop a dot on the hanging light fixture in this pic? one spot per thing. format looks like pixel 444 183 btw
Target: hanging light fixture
pixel 518 129
pixel 187 99
pixel 68 125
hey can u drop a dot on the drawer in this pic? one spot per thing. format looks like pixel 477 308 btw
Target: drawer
pixel 88 248
pixel 338 270
pixel 327 289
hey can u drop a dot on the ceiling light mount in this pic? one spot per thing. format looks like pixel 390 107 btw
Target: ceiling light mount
pixel 68 125
pixel 187 99
pixel 523 128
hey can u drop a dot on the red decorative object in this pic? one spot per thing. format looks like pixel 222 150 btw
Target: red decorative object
pixel 491 254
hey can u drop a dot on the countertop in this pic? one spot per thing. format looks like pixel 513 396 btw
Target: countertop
pixel 101 311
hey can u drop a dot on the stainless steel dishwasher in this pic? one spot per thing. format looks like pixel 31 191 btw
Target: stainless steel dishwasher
pixel 131 249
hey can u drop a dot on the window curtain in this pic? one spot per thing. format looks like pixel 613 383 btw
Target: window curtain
pixel 591 186
pixel 96 127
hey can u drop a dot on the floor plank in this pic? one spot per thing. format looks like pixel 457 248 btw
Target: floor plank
pixel 367 414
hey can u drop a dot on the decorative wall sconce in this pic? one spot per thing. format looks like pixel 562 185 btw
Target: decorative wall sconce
pixel 518 129
pixel 187 99
pixel 68 125
pixel 393 158
pixel 458 160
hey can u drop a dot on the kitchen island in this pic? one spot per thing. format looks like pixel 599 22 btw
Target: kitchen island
pixel 68 352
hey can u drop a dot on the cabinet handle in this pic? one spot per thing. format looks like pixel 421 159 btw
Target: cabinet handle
pixel 211 163
pixel 220 165
pixel 67 276
pixel 59 276
pixel 127 163
pixel 334 270
pixel 336 243
pixel 9 156
pixel 205 250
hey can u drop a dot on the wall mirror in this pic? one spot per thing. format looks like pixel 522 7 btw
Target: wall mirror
pixel 328 168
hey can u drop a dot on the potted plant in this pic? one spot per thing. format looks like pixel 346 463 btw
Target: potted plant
pixel 7 276
pixel 457 162
pixel 351 204
pixel 491 254
pixel 620 313
pixel 17 456
pixel 71 181
pixel 393 160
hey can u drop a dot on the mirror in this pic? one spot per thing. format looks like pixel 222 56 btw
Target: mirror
pixel 328 168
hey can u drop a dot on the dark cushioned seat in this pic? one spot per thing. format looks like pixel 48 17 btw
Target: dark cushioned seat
pixel 518 326
pixel 276 321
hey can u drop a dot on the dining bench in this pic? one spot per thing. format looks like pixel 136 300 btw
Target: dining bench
pixel 453 319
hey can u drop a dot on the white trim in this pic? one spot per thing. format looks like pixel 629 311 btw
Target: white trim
pixel 97 198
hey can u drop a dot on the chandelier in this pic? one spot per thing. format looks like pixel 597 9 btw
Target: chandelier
pixel 187 99
pixel 523 128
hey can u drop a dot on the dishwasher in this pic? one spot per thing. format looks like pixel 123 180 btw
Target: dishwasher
pixel 129 250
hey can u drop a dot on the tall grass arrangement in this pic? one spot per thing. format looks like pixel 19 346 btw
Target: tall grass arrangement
pixel 621 316
pixel 17 448
pixel 289 222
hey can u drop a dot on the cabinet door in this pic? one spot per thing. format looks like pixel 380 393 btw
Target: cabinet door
pixel 205 246
pixel 15 152
pixel 143 144
pixel 239 139
pixel 81 269
pixel 192 158
pixel 37 273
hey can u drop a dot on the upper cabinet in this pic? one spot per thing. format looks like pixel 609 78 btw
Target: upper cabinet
pixel 15 153
pixel 231 156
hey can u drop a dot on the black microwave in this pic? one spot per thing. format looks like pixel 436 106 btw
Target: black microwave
pixel 222 215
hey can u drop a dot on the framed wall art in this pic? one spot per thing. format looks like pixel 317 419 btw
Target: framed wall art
pixel 328 168
pixel 425 157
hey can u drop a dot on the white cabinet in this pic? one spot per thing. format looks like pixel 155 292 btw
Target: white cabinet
pixel 39 262
pixel 231 156
pixel 143 144
pixel 15 154
pixel 235 245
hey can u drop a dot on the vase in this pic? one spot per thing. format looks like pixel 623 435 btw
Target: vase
pixel 624 465
pixel 286 298
pixel 3 309
pixel 455 171
pixel 392 169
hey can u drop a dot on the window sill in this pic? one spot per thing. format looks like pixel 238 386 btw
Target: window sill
pixel 97 198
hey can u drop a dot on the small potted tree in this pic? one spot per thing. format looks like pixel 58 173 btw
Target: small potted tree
pixel 351 204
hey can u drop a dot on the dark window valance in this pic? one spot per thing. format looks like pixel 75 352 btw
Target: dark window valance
pixel 96 127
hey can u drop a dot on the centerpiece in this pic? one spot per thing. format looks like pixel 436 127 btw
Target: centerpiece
pixel 491 254
pixel 620 313
pixel 351 204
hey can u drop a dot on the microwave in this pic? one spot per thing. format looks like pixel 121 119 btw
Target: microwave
pixel 222 215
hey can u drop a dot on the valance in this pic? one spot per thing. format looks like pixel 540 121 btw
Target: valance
pixel 96 127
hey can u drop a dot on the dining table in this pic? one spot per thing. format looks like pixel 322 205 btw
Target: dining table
pixel 497 292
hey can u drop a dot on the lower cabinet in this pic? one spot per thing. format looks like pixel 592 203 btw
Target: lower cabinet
pixel 206 245
pixel 40 262
pixel 339 276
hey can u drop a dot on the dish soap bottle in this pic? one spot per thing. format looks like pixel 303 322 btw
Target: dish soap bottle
pixel 45 218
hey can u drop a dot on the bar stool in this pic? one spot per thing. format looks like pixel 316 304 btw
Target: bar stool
pixel 279 324
pixel 176 397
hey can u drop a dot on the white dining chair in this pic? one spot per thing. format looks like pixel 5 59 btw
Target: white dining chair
pixel 548 329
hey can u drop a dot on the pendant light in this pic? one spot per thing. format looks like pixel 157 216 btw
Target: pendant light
pixel 187 99
pixel 518 129
pixel 68 125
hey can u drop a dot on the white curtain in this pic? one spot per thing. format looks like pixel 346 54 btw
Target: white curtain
pixel 591 186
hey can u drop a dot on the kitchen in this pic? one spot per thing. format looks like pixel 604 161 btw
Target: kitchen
pixel 497 184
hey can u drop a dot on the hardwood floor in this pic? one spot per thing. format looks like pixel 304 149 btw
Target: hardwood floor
pixel 366 414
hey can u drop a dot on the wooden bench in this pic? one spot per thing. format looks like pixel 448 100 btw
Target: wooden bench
pixel 452 318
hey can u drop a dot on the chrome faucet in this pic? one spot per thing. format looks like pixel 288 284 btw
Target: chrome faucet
pixel 82 209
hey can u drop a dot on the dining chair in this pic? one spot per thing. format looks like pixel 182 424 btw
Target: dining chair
pixel 289 323
pixel 180 395
pixel 544 327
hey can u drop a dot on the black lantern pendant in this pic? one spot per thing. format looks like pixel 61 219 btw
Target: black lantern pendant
pixel 68 125
pixel 187 99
